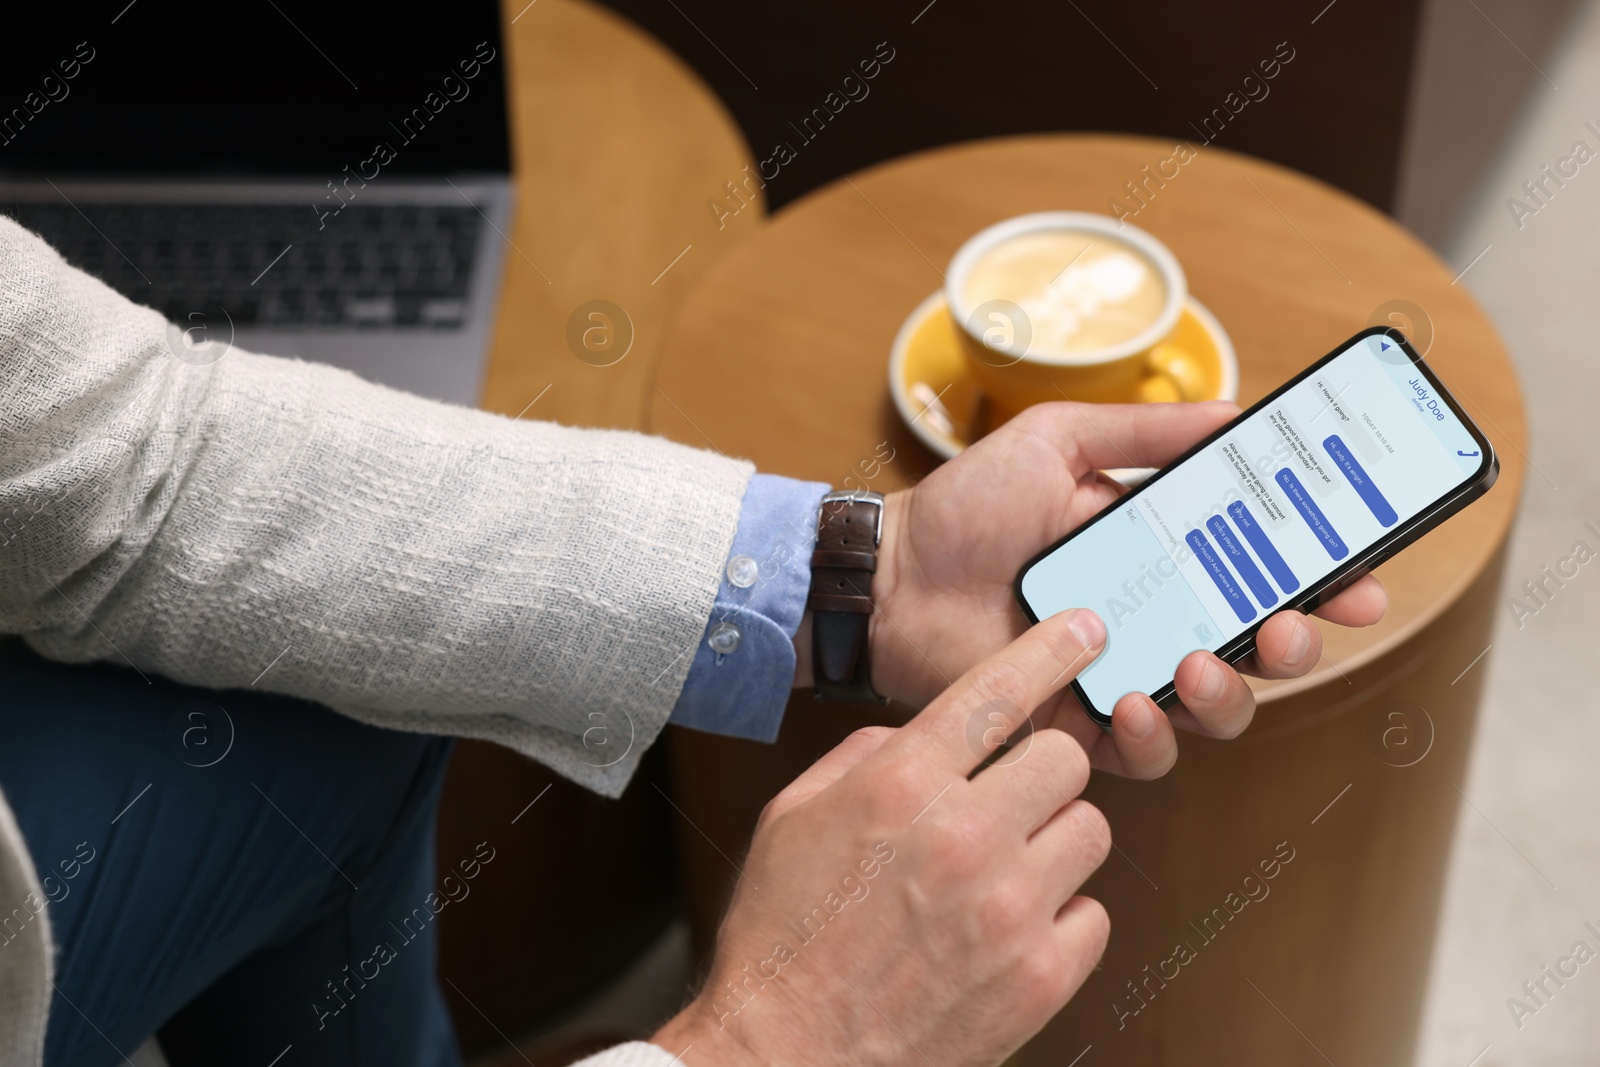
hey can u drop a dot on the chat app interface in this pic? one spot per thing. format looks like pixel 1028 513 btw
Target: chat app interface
pixel 1271 507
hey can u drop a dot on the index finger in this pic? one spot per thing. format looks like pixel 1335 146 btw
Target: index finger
pixel 959 730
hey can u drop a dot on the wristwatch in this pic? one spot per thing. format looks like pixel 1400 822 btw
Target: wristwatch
pixel 849 528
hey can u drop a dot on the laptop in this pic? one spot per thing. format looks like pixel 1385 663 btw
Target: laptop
pixel 326 181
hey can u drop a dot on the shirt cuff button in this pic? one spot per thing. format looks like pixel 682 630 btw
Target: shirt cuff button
pixel 742 572
pixel 724 638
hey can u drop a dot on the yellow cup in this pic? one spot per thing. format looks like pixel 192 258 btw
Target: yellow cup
pixel 1010 353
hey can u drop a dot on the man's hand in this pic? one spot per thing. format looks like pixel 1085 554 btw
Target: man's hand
pixel 953 545
pixel 892 906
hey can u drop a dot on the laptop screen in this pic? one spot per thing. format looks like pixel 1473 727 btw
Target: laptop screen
pixel 180 87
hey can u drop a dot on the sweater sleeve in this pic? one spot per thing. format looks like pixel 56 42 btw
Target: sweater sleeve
pixel 270 523
pixel 632 1054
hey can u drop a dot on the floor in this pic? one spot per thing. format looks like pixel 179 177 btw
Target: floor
pixel 649 993
pixel 1525 875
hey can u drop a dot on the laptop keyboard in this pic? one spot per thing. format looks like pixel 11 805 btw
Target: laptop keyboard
pixel 377 266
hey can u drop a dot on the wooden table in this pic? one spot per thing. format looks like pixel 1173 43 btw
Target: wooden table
pixel 780 356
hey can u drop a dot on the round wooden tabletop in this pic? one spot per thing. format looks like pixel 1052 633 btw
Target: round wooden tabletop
pixel 781 353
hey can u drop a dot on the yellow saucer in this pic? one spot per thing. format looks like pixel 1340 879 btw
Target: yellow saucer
pixel 938 397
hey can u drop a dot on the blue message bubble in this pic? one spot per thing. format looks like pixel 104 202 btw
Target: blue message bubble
pixel 1264 547
pixel 1311 513
pixel 1221 576
pixel 1357 476
pixel 1241 561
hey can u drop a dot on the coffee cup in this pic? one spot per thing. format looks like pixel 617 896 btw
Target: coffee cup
pixel 1065 305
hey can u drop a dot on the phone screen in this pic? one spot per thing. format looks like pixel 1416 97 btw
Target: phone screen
pixel 1291 494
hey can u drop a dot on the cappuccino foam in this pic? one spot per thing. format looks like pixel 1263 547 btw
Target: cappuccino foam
pixel 1082 292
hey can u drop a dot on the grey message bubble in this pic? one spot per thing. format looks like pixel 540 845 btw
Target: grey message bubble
pixel 1305 458
pixel 1252 478
pixel 1336 415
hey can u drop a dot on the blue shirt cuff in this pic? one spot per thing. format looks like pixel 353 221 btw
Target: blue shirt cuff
pixel 742 690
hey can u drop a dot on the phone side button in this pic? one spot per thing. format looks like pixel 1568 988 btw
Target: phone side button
pixel 1355 576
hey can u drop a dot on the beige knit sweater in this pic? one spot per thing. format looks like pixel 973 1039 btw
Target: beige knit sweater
pixel 274 523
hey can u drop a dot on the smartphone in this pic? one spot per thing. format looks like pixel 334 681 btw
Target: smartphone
pixel 1348 462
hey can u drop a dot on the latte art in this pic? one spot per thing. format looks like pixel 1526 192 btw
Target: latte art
pixel 1082 292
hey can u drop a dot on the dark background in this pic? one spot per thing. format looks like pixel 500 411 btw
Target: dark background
pixel 238 89
pixel 1365 75
pixel 969 69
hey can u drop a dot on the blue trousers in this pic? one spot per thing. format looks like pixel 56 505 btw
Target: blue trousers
pixel 223 867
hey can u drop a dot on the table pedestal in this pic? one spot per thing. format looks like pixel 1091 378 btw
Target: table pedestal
pixel 1210 961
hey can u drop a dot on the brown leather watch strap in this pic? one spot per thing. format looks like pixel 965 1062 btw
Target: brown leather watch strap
pixel 841 596
pixel 846 559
